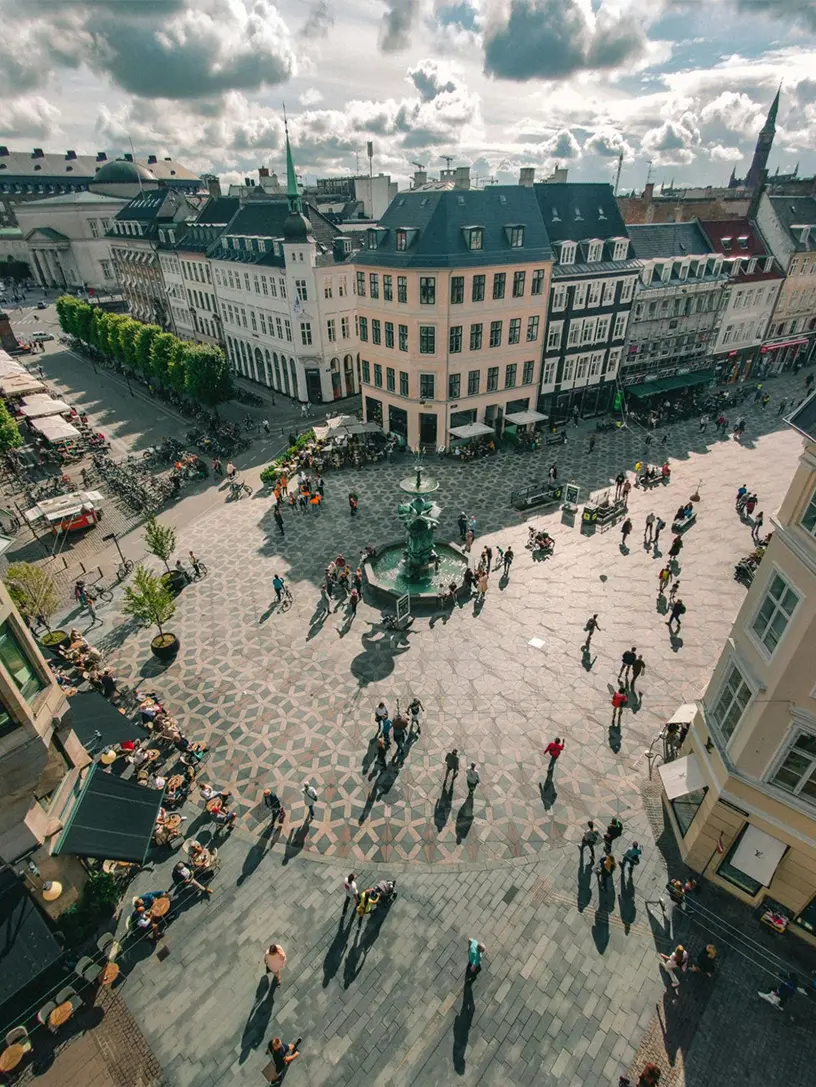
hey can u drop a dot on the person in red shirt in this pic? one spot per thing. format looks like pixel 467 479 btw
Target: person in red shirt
pixel 553 749
pixel 619 700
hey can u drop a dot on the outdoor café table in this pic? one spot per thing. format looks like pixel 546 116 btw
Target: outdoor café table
pixel 11 1057
pixel 160 907
pixel 175 782
pixel 202 858
pixel 152 754
pixel 171 823
pixel 61 1014
pixel 214 803
pixel 109 974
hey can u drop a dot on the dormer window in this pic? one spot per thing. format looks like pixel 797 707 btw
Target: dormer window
pixel 261 245
pixel 161 236
pixel 225 243
pixel 621 250
pixel 768 264
pixel 717 269
pixel 751 266
pixel 568 253
pixel 236 243
pixel 743 241
pixel 475 236
pixel 594 252
pixel 726 244
pixel 516 236
pixel 372 239
pixel 684 268
pixel 402 240
pixel 736 265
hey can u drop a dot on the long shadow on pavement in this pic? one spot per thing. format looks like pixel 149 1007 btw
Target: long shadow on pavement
pixel 258 1020
pixel 461 1029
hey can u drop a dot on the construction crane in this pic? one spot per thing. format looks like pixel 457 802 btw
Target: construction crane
pixel 448 160
pixel 618 172
pixel 419 165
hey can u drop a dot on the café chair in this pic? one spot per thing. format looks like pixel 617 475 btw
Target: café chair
pixel 19 1036
pixel 86 969
pixel 69 995
pixel 44 1012
pixel 108 946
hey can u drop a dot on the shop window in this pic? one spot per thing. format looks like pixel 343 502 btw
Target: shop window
pixel 686 807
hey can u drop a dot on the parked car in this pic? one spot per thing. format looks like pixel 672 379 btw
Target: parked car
pixel 42 304
pixel 41 337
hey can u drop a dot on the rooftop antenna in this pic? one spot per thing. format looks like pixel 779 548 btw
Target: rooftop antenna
pixel 370 150
pixel 618 171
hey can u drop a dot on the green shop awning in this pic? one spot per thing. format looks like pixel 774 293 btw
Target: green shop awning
pixel 113 819
pixel 667 384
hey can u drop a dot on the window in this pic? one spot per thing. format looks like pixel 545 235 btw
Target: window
pixel 403 383
pixel 514 330
pixel 282 287
pixel 474 379
pixel 21 670
pixel 478 289
pixel 797 774
pixel 402 288
pixel 341 287
pixel 569 370
pixel 527 372
pixel 775 613
pixel 730 705
pixel 499 280
pixel 258 285
pixel 559 297
pixel 378 375
pixel 376 334
pixel 306 334
pixel 495 333
pixel 595 293
pixel 582 368
pixel 374 285
pixel 389 333
pixel 580 296
pixel 403 337
pixel 388 288
pixel 518 284
pixel 361 284
pixel 588 330
pixel 510 376
pixel 253 322
pixel 331 331
pixel 426 386
pixel 627 289
pixel 475 237
pixel 366 372
pixel 554 334
pixel 548 377
pixel 532 329
pixel 427 290
pixel 475 337
pixel 262 320
pixel 567 253
pixel 621 250
pixel 455 339
pixel 454 386
pixel 619 331
pixel 106 269
pixel 92 223
pixel 492 378
pixel 602 329
pixel 595 363
pixel 246 280
pixel 344 327
pixel 537 284
pixel 808 521
pixel 595 252
pixel 574 334
pixel 363 329
pixel 516 237
pixel 327 286
pixel 427 339
pixel 457 290
pixel 279 327
pixel 389 378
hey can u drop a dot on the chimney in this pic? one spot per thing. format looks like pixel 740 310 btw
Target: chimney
pixel 420 178
pixel 214 187
pixel 101 156
pixel 648 192
pixel 527 176
pixel 247 182
pixel 263 171
pixel 560 175
pixel 461 177
pixel 151 159
pixel 71 155
pixel 37 153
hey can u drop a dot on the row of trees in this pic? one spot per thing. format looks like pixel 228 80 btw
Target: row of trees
pixel 10 436
pixel 190 369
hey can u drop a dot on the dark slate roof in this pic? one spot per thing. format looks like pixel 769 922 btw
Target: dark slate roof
pixel 804 418
pixel 207 228
pixel 264 218
pixel 219 209
pixel 796 211
pixel 608 267
pixel 579 211
pixel 147 205
pixel 439 220
pixel 669 240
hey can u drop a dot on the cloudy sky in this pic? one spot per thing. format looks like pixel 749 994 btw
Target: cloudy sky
pixel 683 85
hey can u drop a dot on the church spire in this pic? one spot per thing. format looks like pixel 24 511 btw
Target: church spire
pixel 292 191
pixel 770 121
pixel 759 164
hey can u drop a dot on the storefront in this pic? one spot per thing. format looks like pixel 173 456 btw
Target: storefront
pixel 669 384
pixel 736 365
pixel 777 357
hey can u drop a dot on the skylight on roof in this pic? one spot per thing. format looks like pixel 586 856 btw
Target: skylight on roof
pixel 399 205
pixel 423 201
pixel 601 214
pixel 460 200
pixel 578 216
pixel 502 198
pixel 556 218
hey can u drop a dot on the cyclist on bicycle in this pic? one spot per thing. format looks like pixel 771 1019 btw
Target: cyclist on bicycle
pixel 196 565
pixel 231 471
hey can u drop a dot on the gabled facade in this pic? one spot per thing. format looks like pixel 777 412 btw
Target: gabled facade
pixel 451 292
pixel 754 280
pixel 677 307
pixel 788 225
pixel 593 283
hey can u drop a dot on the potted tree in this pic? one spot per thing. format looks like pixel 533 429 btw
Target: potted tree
pixel 150 601
pixel 161 542
pixel 34 593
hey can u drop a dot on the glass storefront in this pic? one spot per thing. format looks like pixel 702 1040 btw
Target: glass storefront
pixel 398 421
pixel 427 429
pixel 373 410
pixel 21 671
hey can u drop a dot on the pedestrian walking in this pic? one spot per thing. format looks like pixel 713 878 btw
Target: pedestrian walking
pixel 278 584
pixel 676 547
pixel 663 579
pixel 605 869
pixel 462 522
pixel 488 553
pixel 309 797
pixel 626 528
pixel 703 422
pixel 589 840
pixel 625 489
pixel 750 504
pixel 320 485
pixel 265 425
pixel 351 892
pixel 414 708
pixel 474 962
pixel 382 751
pixel 482 585
pixel 781 407
pixel 275 960
pixel 451 767
pixel 282 1056
pixel 619 700
pixel 472 778
pixel 620 479
pixel 613 832
pixel 678 608
pixel 648 528
pixel 400 732
pixel 468 541
pixel 659 526
pixel 554 749
pixel 272 803
pixel 591 443
pixel 627 660
pixel 592 625
pixel 705 961
pixel 552 474
pixel 507 561
pixel 352 501
pixel 638 668
pixel 380 714
pixel 354 600
pixel 765 399
pixel 758 393
pixel 760 517
pixel 674 590
pixel 676 963
pixel 90 604
pixel 742 494
pixel 632 858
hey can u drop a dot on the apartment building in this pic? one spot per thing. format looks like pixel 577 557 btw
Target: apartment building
pixel 742 798
pixel 788 225
pixel 750 294
pixel 677 308
pixel 593 283
pixel 451 293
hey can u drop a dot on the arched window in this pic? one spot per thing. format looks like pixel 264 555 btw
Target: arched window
pixel 267 367
pixel 278 385
pixel 335 365
pixel 293 372
pixel 245 363
pixel 258 364
pixel 286 388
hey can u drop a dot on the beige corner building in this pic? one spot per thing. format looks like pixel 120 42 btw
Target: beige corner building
pixel 742 796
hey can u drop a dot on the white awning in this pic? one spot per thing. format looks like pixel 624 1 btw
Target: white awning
pixel 681 777
pixel 34 407
pixel 20 385
pixel 369 427
pixel 471 430
pixel 521 418
pixel 683 715
pixel 758 855
pixel 9 366
pixel 55 429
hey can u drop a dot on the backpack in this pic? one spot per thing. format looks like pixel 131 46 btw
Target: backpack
pixel 681 608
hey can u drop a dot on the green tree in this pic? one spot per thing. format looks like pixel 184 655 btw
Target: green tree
pixel 100 326
pixel 126 334
pixel 83 320
pixel 144 343
pixel 160 540
pixel 32 590
pixel 162 351
pixel 208 376
pixel 10 437
pixel 66 314
pixel 177 366
pixel 148 599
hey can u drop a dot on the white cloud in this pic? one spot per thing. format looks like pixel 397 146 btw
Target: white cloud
pixel 311 97
pixel 30 117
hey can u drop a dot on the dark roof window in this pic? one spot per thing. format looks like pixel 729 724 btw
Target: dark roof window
pixel 726 242
pixel 474 236
pixel 515 236
pixel 743 241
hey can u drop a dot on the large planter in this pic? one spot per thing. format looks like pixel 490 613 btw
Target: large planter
pixel 53 639
pixel 175 580
pixel 165 646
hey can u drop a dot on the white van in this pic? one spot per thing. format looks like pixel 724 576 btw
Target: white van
pixel 41 337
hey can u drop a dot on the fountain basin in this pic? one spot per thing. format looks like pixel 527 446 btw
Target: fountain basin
pixel 388 579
